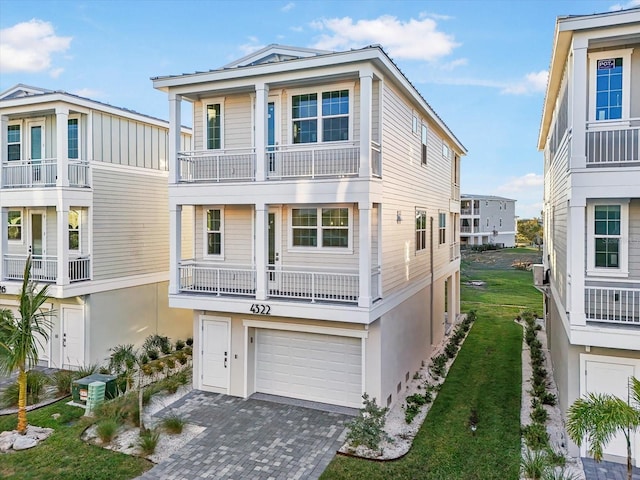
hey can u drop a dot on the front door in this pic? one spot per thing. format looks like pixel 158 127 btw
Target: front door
pixel 271 136
pixel 215 354
pixel 273 254
pixel 36 149
pixel 72 337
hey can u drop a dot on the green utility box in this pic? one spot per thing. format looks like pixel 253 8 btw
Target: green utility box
pixel 80 387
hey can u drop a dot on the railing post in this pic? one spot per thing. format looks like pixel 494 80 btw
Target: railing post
pixel 261 246
pixel 62 227
pixel 262 95
pixel 62 147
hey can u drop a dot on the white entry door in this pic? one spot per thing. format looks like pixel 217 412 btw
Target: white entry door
pixel 215 353
pixel 72 337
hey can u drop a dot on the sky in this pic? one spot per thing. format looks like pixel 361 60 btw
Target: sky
pixel 482 65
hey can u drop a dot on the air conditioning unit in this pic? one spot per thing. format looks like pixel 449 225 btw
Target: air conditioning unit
pixel 538 275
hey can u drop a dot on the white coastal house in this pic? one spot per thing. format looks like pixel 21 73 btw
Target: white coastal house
pixel 590 135
pixel 83 190
pixel 322 194
pixel 487 220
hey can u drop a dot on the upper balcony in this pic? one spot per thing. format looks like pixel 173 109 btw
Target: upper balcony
pixel 613 143
pixel 43 173
pixel 44 269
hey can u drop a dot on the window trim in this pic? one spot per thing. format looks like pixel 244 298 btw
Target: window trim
pixel 442 229
pixel 319 248
pixel 415 121
pixel 205 131
pixel 319 90
pixel 22 230
pixel 79 230
pixel 625 54
pixel 80 145
pixel 419 211
pixel 623 270
pixel 205 233
pixel 446 151
pixel 19 124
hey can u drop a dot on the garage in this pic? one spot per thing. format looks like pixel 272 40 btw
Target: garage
pixel 309 366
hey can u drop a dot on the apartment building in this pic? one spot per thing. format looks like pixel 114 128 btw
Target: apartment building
pixel 487 220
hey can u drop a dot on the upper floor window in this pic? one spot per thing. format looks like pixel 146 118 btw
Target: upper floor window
pixel 421 230
pixel 414 125
pixel 73 147
pixel 214 126
pixel 442 228
pixel 213 232
pixel 14 226
pixel 320 227
pixel 13 142
pixel 330 123
pixel 445 150
pixel 423 137
pixel 74 230
pixel 610 84
pixel 607 243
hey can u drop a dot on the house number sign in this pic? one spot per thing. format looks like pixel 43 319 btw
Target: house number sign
pixel 260 309
pixel 3 289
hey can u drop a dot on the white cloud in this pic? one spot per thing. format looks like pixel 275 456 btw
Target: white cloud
pixel 289 6
pixel 88 93
pixel 296 29
pixel 399 38
pixel 252 46
pixel 56 72
pixel 533 82
pixel 435 16
pixel 529 181
pixel 624 6
pixel 459 62
pixel 28 47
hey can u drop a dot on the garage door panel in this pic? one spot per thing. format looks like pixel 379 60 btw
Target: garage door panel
pixel 318 367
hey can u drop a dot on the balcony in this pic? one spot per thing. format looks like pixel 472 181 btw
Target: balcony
pixel 454 251
pixel 611 144
pixel 613 305
pixel 45 269
pixel 469 211
pixel 466 229
pixel 44 173
pixel 217 165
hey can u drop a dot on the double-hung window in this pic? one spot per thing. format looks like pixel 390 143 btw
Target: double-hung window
pixel 328 122
pixel 14 142
pixel 610 84
pixel 321 227
pixel 213 232
pixel 73 148
pixel 214 125
pixel 421 230
pixel 74 230
pixel 607 238
pixel 14 225
pixel 442 228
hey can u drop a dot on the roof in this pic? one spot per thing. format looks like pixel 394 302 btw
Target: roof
pixel 470 196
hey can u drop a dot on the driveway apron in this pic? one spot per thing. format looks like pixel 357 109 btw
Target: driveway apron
pixel 251 439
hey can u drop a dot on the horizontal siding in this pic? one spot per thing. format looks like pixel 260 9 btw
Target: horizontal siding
pixel 556 183
pixel 634 239
pixel 237 122
pixel 237 238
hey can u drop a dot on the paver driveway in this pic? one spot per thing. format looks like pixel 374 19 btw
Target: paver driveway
pixel 252 439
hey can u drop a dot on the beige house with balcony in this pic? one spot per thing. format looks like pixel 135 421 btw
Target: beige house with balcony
pixel 83 190
pixel 322 196
pixel 590 135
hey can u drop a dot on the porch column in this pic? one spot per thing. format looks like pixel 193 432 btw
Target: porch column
pixel 366 88
pixel 262 244
pixel 578 95
pixel 575 282
pixel 4 139
pixel 175 247
pixel 4 237
pixel 62 237
pixel 364 236
pixel 175 126
pixel 62 147
pixel 262 95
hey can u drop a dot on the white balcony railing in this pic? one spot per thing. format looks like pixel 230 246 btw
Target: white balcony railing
pixel 227 280
pixel 78 173
pixel 313 160
pixel 45 269
pixel 613 305
pixel 217 165
pixel 455 192
pixel 300 283
pixel 466 229
pixel 611 143
pixel 27 174
pixel 454 251
pixel 375 284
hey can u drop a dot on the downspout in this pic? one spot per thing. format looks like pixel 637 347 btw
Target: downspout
pixel 431 284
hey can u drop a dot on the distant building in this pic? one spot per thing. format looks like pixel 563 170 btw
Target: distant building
pixel 487 219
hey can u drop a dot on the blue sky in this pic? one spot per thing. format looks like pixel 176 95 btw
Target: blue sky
pixel 480 64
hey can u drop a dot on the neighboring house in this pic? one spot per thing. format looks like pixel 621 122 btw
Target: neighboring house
pixel 83 190
pixel 325 260
pixel 487 220
pixel 590 134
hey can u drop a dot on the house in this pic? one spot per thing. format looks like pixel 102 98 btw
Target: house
pixel 487 220
pixel 590 135
pixel 325 192
pixel 83 190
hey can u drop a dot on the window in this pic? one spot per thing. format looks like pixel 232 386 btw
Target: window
pixel 445 150
pixel 214 232
pixel 421 230
pixel 14 227
pixel 330 124
pixel 610 84
pixel 214 126
pixel 607 236
pixel 424 144
pixel 13 142
pixel 322 227
pixel 74 230
pixel 442 228
pixel 500 222
pixel 72 136
pixel 414 125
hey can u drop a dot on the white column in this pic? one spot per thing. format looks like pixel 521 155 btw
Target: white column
pixel 62 147
pixel 578 114
pixel 175 126
pixel 262 94
pixel 175 247
pixel 4 237
pixel 366 87
pixel 62 236
pixel 364 236
pixel 261 246
pixel 4 124
pixel 577 233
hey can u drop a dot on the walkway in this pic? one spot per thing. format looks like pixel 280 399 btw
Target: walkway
pixel 607 470
pixel 252 439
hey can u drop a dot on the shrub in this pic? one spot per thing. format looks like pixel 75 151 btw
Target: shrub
pixel 171 362
pixel 62 380
pixel 36 382
pixel 536 436
pixel 451 349
pixel 368 427
pixel 173 424
pixel 157 342
pixel 182 358
pixel 148 441
pixel 85 371
pixel 548 398
pixel 556 458
pixel 539 414
pixel 144 359
pixel 560 474
pixel 410 412
pixel 189 341
pixel 106 429
pixel 438 367
pixel 533 465
pixel 179 345
pixel 112 410
pixel 417 399
pixel 153 354
pixel 172 384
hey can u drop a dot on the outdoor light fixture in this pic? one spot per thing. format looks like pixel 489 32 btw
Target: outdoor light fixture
pixel 399 216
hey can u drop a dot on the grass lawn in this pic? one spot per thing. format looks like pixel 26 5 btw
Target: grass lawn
pixel 486 376
pixel 64 455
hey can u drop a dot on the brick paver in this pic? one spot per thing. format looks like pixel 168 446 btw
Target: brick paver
pixel 607 470
pixel 252 439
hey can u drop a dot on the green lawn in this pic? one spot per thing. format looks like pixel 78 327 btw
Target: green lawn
pixel 486 376
pixel 64 455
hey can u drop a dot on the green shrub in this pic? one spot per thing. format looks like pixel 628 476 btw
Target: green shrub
pixel 62 380
pixel 36 383
pixel 368 427
pixel 410 412
pixel 533 465
pixel 556 458
pixel 173 424
pixel 182 358
pixel 148 441
pixel 153 354
pixel 536 436
pixel 539 414
pixel 171 362
pixel 451 349
pixel 189 341
pixel 560 474
pixel 106 429
pixel 85 371
pixel 548 398
pixel 179 345
pixel 157 342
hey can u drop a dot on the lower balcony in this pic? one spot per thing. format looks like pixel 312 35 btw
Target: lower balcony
pixel 613 305
pixel 45 269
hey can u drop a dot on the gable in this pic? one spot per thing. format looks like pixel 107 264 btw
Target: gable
pixel 275 53
pixel 21 90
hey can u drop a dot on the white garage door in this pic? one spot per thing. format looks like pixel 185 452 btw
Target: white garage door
pixel 310 366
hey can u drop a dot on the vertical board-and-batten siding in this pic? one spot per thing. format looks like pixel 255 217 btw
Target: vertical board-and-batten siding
pixel 409 185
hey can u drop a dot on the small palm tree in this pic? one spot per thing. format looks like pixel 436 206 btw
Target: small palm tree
pixel 600 417
pixel 20 337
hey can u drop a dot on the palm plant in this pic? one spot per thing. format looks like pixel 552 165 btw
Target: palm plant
pixel 600 417
pixel 21 337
